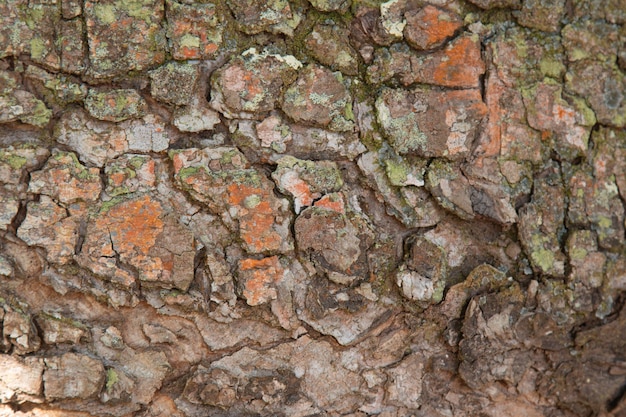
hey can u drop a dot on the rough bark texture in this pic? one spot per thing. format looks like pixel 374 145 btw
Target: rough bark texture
pixel 312 208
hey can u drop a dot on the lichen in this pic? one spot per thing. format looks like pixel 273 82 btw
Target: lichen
pixel 111 378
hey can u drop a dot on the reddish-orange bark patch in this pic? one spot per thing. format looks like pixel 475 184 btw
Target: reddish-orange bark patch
pixel 259 276
pixel 134 225
pixel 331 202
pixel 256 220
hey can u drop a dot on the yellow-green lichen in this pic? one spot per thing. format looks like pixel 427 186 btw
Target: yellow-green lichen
pixel 105 13
pixel 189 41
pixel 112 378
pixel 14 161
pixel 37 48
pixel 397 172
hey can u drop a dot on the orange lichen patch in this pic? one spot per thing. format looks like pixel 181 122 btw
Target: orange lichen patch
pixel 332 202
pixel 65 179
pixel 459 65
pixel 253 86
pixel 133 225
pixel 430 27
pixel 72 189
pixel 189 53
pixel 300 190
pixel 117 178
pixel 210 48
pixel 256 217
pixel 179 159
pixel 491 142
pixel 259 277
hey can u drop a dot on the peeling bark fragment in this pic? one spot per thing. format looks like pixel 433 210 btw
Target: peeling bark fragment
pixel 252 83
pixel 21 379
pixel 319 97
pixel 174 83
pixel 594 378
pixel 17 104
pixel 307 365
pixel 603 86
pixel 413 206
pixel 258 279
pixel 194 30
pixel 331 236
pixel 72 376
pixel 430 27
pixel 196 117
pixel 306 181
pixel 338 311
pixel 276 16
pixel 49 225
pixel 451 189
pixel 94 141
pixel 548 112
pixel 430 123
pixel 65 179
pixel 222 178
pixel 483 278
pixel 423 276
pixel 459 64
pixel 541 225
pixel 404 385
pixel 57 329
pixel 19 330
pixel 325 44
pixel 489 350
pixel 129 174
pixel 140 233
pixel 115 105
pixel 537 14
pixel 147 134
